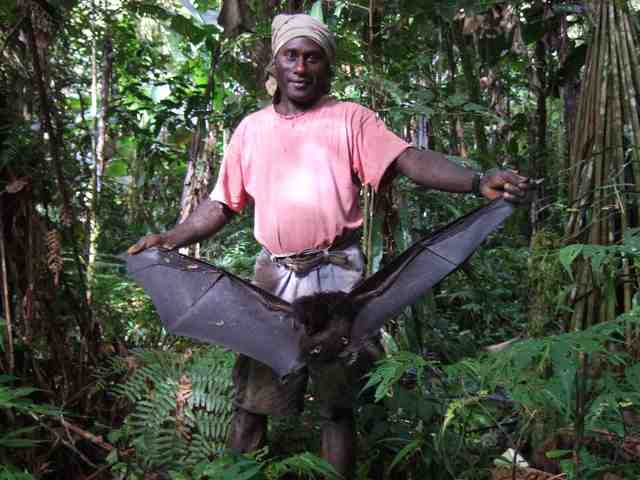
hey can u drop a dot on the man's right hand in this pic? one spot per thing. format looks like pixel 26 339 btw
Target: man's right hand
pixel 208 217
pixel 149 241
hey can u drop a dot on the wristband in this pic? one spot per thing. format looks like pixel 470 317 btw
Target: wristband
pixel 475 183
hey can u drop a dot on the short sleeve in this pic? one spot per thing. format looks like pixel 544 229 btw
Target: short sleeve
pixel 373 146
pixel 230 187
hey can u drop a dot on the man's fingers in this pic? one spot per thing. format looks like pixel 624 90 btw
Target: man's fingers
pixel 144 243
pixel 509 184
pixel 135 248
pixel 517 190
pixel 519 197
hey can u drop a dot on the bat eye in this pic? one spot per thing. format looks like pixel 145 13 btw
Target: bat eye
pixel 316 350
pixel 344 340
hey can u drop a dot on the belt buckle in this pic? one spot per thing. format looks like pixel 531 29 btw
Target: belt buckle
pixel 294 267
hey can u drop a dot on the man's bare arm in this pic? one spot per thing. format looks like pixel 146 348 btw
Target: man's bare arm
pixel 432 169
pixel 207 219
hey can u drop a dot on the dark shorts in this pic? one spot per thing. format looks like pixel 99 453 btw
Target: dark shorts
pixel 334 385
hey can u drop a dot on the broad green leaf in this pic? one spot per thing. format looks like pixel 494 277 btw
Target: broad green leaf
pixel 187 29
pixel 117 168
pixel 316 11
pixel 208 17
pixel 405 452
pixel 632 375
pixel 568 255
pixel 598 259
pixel 456 100
pixel 557 453
pixel 473 107
pixel 195 14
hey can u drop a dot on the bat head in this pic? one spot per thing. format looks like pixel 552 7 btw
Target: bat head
pixel 327 319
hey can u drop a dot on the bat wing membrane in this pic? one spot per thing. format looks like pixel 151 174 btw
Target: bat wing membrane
pixel 420 267
pixel 198 300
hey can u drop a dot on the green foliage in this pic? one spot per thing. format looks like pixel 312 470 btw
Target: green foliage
pixel 391 369
pixel 405 425
pixel 541 373
pixel 180 410
pixel 482 305
pixel 16 404
pixel 7 472
pixel 604 259
pixel 543 377
pixel 305 464
pixel 232 466
pixel 453 421
pixel 126 311
pixel 316 10
pixel 547 283
pixel 17 398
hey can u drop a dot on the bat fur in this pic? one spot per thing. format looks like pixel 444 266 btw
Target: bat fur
pixel 327 319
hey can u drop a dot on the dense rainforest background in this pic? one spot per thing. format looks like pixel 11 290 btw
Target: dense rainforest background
pixel 114 116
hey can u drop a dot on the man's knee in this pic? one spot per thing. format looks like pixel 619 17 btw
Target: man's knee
pixel 336 414
pixel 248 431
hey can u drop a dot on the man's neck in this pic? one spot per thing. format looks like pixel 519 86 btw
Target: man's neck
pixel 287 107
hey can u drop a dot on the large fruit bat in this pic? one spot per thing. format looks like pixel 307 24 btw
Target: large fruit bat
pixel 199 300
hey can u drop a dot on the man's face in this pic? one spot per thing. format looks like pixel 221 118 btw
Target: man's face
pixel 302 71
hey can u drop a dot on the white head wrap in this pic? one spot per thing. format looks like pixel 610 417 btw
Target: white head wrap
pixel 286 27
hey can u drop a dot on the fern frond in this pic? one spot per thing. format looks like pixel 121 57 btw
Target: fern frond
pixel 181 406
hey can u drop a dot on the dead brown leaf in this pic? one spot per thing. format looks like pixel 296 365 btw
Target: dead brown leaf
pixel 16 186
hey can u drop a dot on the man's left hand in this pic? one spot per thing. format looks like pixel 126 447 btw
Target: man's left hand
pixel 507 184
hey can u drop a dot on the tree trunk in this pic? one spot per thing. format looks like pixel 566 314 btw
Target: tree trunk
pixel 199 164
pixel 99 101
pixel 604 175
pixel 456 130
pixel 538 149
pixel 468 59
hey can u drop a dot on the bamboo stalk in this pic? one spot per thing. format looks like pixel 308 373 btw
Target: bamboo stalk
pixel 6 303
pixel 632 90
pixel 92 194
pixel 629 93
pixel 583 128
pixel 584 116
pixel 620 104
pixel 589 105
pixel 369 194
pixel 600 192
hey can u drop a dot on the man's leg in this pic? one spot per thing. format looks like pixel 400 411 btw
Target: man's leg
pixel 339 442
pixel 257 393
pixel 248 431
pixel 336 385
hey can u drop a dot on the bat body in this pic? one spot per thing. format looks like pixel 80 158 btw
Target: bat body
pixel 202 301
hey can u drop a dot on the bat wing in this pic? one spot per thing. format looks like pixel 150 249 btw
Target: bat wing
pixel 198 300
pixel 420 267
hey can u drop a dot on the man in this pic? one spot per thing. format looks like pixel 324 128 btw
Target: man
pixel 302 162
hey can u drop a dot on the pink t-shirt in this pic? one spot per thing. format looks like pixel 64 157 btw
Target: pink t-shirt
pixel 304 171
